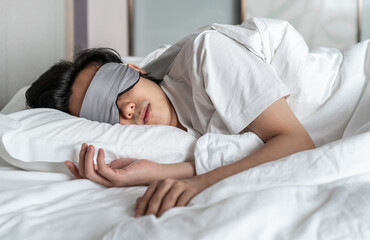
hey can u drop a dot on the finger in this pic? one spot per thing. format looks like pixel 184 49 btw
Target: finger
pixel 101 163
pixel 73 169
pixel 143 203
pixel 89 161
pixel 138 202
pixel 90 171
pixel 106 171
pixel 171 199
pixel 157 198
pixel 81 160
pixel 185 198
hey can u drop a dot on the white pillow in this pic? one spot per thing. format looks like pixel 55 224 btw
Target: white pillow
pixel 42 139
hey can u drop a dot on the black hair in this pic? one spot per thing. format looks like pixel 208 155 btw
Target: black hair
pixel 54 87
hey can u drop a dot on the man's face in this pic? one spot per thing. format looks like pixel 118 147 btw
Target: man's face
pixel 145 103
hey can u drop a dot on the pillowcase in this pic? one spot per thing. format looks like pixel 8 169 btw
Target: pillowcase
pixel 42 139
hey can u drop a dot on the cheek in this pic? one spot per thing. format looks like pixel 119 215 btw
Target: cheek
pixel 75 103
pixel 123 121
pixel 161 114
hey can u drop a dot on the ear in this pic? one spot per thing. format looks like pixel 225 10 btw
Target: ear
pixel 136 68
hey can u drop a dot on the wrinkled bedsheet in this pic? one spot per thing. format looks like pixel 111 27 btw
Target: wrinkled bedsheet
pixel 322 193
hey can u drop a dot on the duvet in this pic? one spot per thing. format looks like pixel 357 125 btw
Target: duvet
pixel 322 193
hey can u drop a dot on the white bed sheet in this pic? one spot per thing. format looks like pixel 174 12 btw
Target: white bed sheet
pixel 318 194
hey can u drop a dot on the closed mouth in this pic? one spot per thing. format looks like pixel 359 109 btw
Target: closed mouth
pixel 146 114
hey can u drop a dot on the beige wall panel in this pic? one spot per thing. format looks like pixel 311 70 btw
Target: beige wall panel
pixel 108 25
pixel 33 38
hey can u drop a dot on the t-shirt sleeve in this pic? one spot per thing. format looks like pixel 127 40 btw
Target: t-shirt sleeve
pixel 239 84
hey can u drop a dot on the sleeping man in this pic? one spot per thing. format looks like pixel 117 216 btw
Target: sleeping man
pixel 212 84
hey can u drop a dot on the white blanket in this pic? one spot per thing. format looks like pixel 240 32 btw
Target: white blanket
pixel 318 194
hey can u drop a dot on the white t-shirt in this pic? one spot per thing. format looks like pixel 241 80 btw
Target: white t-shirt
pixel 216 85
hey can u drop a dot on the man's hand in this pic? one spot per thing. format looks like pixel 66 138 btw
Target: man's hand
pixel 162 195
pixel 119 173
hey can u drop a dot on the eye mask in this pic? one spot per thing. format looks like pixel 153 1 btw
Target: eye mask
pixel 109 82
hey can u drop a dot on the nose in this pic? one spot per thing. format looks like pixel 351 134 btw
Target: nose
pixel 128 110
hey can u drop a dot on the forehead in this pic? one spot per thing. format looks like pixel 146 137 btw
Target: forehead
pixel 80 86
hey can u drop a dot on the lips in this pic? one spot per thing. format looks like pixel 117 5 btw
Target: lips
pixel 146 114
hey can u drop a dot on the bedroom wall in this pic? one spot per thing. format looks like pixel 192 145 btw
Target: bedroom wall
pixel 322 23
pixel 160 22
pixel 32 37
pixel 366 20
pixel 107 25
pixel 36 34
pixel 101 24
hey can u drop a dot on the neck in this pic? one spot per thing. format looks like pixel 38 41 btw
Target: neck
pixel 179 125
pixel 175 121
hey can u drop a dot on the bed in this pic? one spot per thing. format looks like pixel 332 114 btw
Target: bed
pixel 322 193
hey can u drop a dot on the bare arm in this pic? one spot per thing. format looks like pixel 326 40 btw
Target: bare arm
pixel 277 126
pixel 282 133
pixel 125 171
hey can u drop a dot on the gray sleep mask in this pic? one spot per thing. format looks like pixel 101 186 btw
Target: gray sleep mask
pixel 109 82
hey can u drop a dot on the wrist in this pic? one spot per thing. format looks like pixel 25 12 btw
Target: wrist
pixel 216 175
pixel 205 180
pixel 177 170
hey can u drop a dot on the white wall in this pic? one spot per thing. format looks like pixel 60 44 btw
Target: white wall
pixel 32 38
pixel 107 24
pixel 322 23
pixel 366 20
